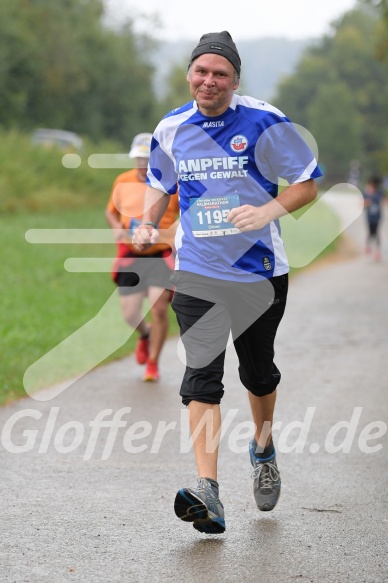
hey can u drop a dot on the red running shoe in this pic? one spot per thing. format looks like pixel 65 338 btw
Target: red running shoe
pixel 152 372
pixel 142 350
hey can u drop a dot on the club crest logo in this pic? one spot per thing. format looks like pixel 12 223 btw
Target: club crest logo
pixel 267 263
pixel 239 143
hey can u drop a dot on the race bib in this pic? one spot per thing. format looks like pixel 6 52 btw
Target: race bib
pixel 208 215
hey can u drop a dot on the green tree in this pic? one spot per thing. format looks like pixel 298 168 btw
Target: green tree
pixel 381 7
pixel 60 66
pixel 339 133
pixel 18 62
pixel 178 92
pixel 296 93
pixel 346 58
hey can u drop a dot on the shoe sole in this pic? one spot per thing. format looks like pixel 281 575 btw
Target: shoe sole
pixel 149 379
pixel 190 508
pixel 267 507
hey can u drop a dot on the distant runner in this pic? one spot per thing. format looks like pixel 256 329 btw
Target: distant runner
pixel 146 273
pixel 373 202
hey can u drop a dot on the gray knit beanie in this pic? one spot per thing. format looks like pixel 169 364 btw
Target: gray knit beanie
pixel 219 43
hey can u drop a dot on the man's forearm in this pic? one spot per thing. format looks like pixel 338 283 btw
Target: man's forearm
pixel 155 205
pixel 293 198
pixel 249 217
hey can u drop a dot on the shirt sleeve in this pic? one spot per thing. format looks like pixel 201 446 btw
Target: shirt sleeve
pixel 282 153
pixel 161 168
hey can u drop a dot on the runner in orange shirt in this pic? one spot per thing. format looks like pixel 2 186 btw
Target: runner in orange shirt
pixel 136 278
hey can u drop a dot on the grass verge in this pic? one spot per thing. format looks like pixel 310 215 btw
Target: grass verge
pixel 56 324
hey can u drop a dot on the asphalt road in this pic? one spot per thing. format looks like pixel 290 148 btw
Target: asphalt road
pixel 83 504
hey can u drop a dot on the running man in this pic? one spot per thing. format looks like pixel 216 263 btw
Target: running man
pixel 146 273
pixel 227 152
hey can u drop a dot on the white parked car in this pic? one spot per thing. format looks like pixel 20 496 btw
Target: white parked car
pixel 60 138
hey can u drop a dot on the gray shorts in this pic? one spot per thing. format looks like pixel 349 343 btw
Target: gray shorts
pixel 142 273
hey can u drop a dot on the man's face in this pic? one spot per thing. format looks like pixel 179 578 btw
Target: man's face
pixel 141 165
pixel 212 81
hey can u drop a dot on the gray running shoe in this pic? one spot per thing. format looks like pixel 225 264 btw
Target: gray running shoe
pixel 202 507
pixel 266 480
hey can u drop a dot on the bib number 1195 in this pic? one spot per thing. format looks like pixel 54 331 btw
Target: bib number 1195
pixel 209 216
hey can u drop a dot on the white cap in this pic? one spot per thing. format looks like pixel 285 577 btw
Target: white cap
pixel 141 146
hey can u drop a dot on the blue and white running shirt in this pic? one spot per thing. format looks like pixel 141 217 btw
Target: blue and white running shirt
pixel 222 162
